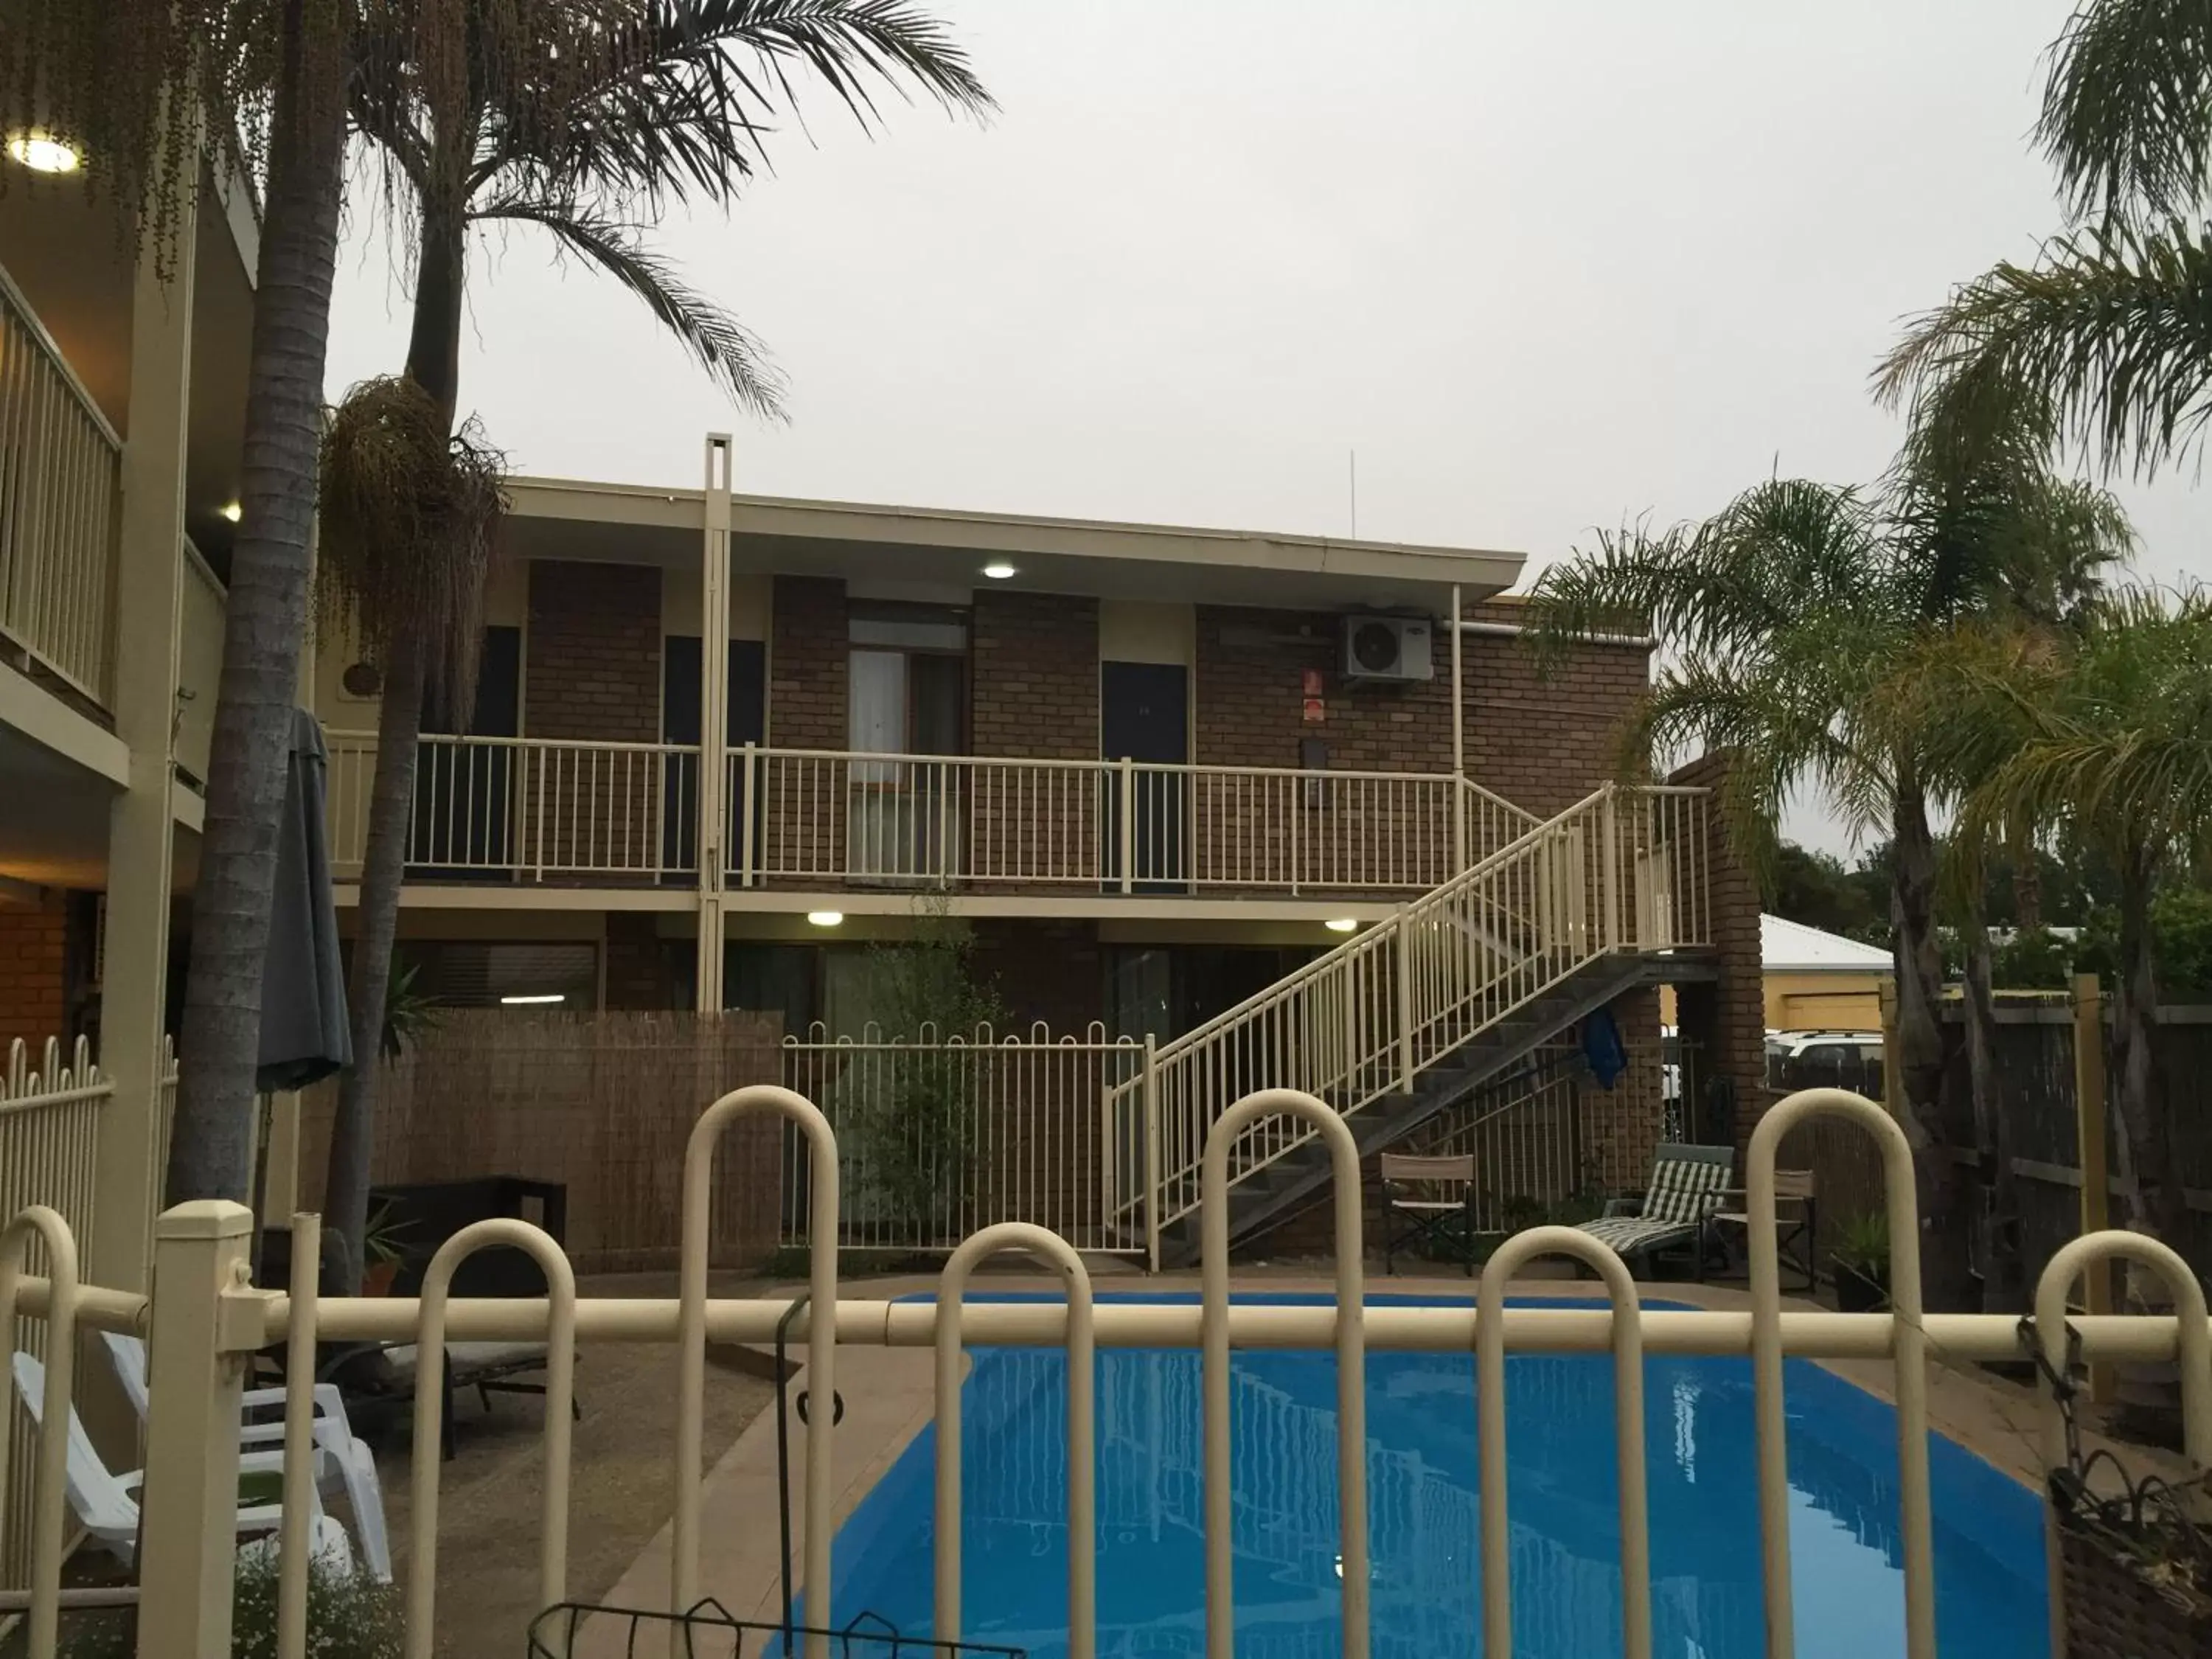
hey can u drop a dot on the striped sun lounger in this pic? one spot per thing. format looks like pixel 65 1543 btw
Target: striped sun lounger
pixel 1686 1185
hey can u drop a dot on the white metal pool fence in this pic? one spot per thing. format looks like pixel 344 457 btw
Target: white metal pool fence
pixel 206 1319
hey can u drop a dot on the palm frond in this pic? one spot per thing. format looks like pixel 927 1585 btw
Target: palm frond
pixel 724 347
pixel 2127 113
pixel 2113 325
pixel 685 99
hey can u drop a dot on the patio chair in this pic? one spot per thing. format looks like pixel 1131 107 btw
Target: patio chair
pixel 1428 1201
pixel 1794 1215
pixel 347 1462
pixel 489 1367
pixel 107 1504
pixel 1686 1185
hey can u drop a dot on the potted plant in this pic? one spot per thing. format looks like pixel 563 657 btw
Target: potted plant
pixel 1861 1260
pixel 381 1245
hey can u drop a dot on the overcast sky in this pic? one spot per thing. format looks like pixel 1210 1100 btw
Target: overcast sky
pixel 1545 265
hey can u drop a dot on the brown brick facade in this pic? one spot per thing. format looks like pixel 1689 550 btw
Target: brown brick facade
pixel 592 675
pixel 34 974
pixel 1726 1019
pixel 808 642
pixel 1043 970
pixel 593 668
pixel 636 963
pixel 1033 680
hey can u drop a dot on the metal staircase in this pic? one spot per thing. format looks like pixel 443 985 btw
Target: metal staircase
pixel 1407 1019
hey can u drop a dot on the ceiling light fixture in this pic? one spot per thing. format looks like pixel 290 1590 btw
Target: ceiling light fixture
pixel 999 570
pixel 234 511
pixel 1342 924
pixel 41 154
pixel 825 918
pixel 535 999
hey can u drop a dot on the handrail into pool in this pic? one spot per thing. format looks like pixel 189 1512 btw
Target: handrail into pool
pixel 1908 1347
pixel 1507 1259
pixel 1350 1320
pixel 1055 1252
pixel 691 1336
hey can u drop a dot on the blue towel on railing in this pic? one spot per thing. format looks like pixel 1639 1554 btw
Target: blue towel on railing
pixel 1601 1048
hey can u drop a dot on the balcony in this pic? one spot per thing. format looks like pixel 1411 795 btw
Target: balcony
pixel 60 470
pixel 519 810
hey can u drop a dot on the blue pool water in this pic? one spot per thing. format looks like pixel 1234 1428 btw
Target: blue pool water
pixel 1422 1511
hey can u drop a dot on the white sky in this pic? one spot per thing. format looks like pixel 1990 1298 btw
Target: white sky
pixel 1545 265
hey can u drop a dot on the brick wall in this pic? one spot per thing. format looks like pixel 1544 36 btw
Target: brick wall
pixel 591 673
pixel 593 668
pixel 1034 693
pixel 803 801
pixel 1541 743
pixel 1727 1019
pixel 1043 969
pixel 636 963
pixel 33 974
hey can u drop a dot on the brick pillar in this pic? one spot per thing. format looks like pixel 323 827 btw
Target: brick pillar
pixel 637 977
pixel 593 675
pixel 802 814
pixel 1034 662
pixel 33 974
pixel 1727 1019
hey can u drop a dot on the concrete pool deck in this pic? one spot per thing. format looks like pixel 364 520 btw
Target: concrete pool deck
pixel 889 1396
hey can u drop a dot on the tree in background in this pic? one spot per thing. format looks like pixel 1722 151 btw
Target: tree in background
pixel 671 107
pixel 1782 619
pixel 2111 322
pixel 2110 737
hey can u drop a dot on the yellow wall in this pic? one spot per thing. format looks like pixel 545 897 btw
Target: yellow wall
pixel 1811 1002
pixel 1831 1002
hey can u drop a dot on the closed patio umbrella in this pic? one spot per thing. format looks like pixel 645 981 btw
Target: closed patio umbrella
pixel 305 1033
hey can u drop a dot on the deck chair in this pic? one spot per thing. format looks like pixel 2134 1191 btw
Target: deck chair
pixel 489 1367
pixel 1428 1201
pixel 1793 1221
pixel 107 1504
pixel 1687 1184
pixel 347 1463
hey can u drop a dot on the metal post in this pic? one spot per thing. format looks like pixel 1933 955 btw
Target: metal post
pixel 1151 1126
pixel 714 718
pixel 749 773
pixel 1609 871
pixel 189 1504
pixel 1404 975
pixel 2089 1106
pixel 1459 743
pixel 1128 824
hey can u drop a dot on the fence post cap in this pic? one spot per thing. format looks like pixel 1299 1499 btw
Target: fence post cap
pixel 205 1217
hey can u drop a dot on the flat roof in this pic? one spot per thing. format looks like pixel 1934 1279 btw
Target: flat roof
pixel 564 518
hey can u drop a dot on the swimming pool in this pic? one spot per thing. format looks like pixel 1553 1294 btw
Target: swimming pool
pixel 1422 1512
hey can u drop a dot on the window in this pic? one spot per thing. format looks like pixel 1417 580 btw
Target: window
pixel 906 695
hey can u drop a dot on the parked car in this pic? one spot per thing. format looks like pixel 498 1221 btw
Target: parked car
pixel 1833 1059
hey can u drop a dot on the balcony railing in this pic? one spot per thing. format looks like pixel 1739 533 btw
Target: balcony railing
pixel 60 469
pixel 529 809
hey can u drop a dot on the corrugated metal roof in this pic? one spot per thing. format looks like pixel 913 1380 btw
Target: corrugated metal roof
pixel 1791 947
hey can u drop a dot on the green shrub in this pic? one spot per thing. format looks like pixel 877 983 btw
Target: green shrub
pixel 349 1616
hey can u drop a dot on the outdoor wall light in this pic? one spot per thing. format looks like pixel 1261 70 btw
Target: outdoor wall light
pixel 1342 924
pixel 535 999
pixel 234 511
pixel 999 570
pixel 43 154
pixel 825 918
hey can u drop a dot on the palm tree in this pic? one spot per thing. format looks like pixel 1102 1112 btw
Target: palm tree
pixel 673 107
pixel 114 80
pixel 2111 322
pixel 2109 739
pixel 1785 617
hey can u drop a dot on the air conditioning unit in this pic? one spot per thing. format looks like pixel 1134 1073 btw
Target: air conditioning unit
pixel 1387 648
